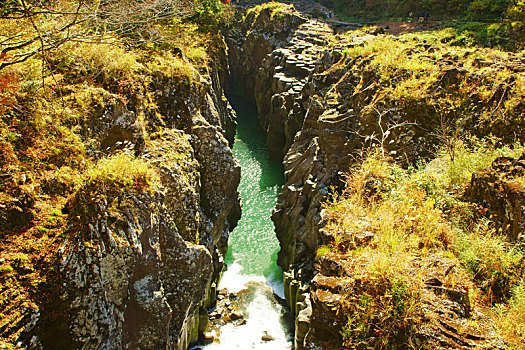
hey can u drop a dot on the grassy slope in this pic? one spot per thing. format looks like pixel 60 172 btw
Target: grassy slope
pixel 415 215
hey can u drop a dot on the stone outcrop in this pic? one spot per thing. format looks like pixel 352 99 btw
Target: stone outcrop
pixel 500 194
pixel 279 92
pixel 139 267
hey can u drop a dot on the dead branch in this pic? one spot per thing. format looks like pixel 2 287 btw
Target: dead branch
pixel 91 21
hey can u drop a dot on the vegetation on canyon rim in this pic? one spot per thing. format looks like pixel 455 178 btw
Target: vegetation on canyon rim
pixel 417 214
pixel 50 153
pixel 422 213
pixel 487 22
pixel 459 9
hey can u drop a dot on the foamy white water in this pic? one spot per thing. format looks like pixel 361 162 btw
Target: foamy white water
pixel 235 281
pixel 263 315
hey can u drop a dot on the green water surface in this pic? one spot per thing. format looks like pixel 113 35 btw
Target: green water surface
pixel 253 243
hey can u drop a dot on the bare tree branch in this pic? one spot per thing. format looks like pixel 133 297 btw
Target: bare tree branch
pixel 86 21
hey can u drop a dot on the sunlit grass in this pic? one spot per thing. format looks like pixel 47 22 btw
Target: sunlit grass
pixel 121 170
pixel 412 214
pixel 511 317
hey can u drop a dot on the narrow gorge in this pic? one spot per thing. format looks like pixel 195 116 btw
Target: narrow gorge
pixel 324 101
pixel 282 188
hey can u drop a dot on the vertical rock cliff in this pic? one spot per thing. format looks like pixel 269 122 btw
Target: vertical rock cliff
pixel 139 263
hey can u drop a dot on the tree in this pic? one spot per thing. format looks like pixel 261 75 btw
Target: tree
pixel 30 27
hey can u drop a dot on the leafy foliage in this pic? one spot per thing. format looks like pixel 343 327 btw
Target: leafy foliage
pixel 7 86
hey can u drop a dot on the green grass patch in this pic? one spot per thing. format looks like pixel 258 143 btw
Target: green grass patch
pixel 121 171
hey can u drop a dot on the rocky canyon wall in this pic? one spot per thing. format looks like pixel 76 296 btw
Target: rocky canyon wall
pixel 139 266
pixel 323 108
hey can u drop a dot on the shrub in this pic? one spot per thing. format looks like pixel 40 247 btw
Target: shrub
pixel 277 10
pixel 96 61
pixel 8 85
pixel 197 55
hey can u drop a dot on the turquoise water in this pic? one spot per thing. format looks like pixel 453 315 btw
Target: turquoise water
pixel 253 247
pixel 253 244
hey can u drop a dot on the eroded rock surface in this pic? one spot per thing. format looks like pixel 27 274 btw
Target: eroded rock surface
pixel 322 108
pixel 501 195
pixel 139 266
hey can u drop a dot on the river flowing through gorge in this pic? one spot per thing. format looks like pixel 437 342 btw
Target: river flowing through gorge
pixel 252 273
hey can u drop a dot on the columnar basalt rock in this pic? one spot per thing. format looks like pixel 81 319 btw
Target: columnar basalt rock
pixel 258 35
pixel 321 109
pixel 279 91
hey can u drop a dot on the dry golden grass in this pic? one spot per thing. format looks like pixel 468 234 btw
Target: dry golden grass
pixel 120 171
pixel 416 215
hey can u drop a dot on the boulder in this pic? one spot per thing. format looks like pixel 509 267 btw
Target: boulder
pixel 500 193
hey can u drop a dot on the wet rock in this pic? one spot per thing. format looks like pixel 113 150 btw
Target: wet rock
pixel 203 320
pixel 215 315
pixel 236 315
pixel 208 338
pixel 302 323
pixel 266 337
